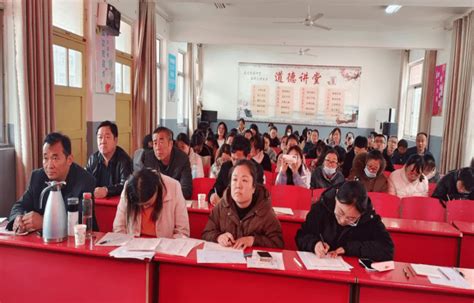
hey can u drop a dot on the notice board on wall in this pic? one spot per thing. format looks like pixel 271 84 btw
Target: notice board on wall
pixel 299 94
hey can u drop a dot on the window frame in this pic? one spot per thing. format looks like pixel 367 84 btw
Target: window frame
pixel 4 139
pixel 181 74
pixel 409 102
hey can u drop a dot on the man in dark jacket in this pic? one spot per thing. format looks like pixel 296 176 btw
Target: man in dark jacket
pixel 169 160
pixel 110 165
pixel 58 165
pixel 456 185
pixel 240 149
pixel 380 142
pixel 344 222
pixel 421 147
pixel 360 146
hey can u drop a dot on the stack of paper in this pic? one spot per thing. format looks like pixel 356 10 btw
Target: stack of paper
pixel 311 261
pixel 439 275
pixel 178 247
pixel 215 253
pixel 114 239
pixel 283 210
pixel 275 263
pixel 138 248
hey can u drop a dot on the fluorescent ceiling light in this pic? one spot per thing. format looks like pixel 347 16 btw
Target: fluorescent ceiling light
pixel 392 9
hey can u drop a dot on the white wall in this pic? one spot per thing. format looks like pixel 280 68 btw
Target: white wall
pixel 169 109
pixel 442 57
pixel 379 81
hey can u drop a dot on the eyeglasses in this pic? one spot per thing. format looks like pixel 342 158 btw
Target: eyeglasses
pixel 351 221
pixel 330 162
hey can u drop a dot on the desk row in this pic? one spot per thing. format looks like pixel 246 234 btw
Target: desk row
pixel 55 269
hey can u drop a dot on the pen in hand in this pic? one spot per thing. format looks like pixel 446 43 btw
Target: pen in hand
pixel 325 245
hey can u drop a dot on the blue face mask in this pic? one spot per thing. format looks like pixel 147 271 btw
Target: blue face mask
pixel 369 174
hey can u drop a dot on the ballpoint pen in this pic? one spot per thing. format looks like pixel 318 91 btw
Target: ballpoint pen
pixel 406 273
pixel 298 263
pixel 322 240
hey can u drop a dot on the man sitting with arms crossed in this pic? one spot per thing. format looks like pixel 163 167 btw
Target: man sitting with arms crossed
pixel 26 214
pixel 110 165
pixel 169 160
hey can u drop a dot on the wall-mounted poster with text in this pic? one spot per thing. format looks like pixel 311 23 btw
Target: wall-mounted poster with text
pixel 299 94
pixel 171 78
pixel 105 63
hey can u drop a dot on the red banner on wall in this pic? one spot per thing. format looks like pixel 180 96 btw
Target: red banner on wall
pixel 440 75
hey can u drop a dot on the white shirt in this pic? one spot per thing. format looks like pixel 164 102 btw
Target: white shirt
pixel 399 185
pixel 195 159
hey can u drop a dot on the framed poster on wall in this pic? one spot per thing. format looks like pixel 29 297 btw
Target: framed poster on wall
pixel 299 94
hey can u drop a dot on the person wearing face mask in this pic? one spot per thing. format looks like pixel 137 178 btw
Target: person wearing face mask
pixel 344 222
pixel 409 181
pixel 244 217
pixel 368 169
pixel 289 130
pixel 327 174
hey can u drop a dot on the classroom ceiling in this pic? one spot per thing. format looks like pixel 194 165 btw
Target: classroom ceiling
pixel 251 17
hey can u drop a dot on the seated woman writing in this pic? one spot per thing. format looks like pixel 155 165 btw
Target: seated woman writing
pixel 244 217
pixel 152 205
pixel 344 222
pixel 292 170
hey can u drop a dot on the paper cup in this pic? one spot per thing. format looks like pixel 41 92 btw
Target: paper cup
pixel 80 234
pixel 202 203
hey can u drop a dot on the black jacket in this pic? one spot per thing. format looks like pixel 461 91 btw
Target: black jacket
pixel 347 165
pixel 116 173
pixel 178 168
pixel 319 180
pixel 399 159
pixel 388 161
pixel 447 187
pixel 78 181
pixel 223 178
pixel 369 239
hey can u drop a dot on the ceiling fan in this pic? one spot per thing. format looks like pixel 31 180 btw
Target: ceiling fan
pixel 302 52
pixel 309 20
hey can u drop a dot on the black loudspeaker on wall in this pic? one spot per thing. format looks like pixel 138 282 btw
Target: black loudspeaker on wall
pixel 389 129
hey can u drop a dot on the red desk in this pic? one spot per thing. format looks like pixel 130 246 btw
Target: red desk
pixel 197 219
pixel 467 243
pixel 105 210
pixel 426 242
pixel 393 287
pixel 32 271
pixel 290 225
pixel 183 280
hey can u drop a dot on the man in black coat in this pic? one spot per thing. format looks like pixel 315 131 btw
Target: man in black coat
pixel 344 222
pixel 110 165
pixel 27 212
pixel 169 160
pixel 456 185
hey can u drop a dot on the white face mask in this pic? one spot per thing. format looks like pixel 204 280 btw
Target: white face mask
pixel 369 174
pixel 329 171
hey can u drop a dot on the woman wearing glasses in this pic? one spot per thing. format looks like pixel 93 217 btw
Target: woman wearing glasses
pixel 152 205
pixel 344 222
pixel 327 173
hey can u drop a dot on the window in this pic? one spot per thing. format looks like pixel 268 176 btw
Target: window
pixel 413 102
pixel 122 78
pixel 180 103
pixel 3 115
pixel 158 72
pixel 123 42
pixel 69 15
pixel 67 66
